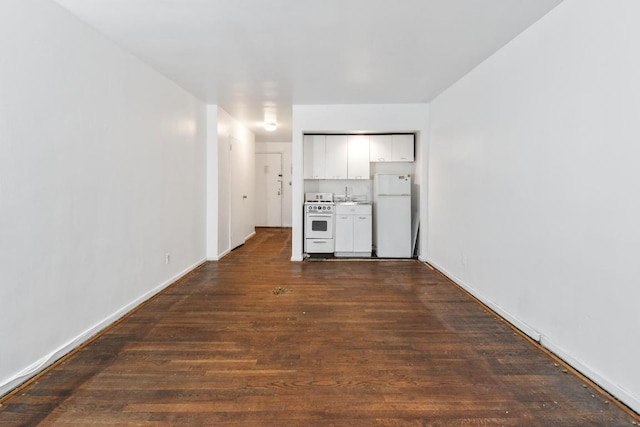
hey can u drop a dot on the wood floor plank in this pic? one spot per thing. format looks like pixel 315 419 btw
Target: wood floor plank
pixel 350 343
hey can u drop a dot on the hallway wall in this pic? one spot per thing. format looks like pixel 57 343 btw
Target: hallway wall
pixel 221 129
pixel 534 186
pixel 102 173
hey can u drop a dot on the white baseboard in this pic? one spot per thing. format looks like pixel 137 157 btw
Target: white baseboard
pixel 526 329
pixel 219 256
pixel 228 251
pixel 619 393
pixel 615 390
pixel 39 365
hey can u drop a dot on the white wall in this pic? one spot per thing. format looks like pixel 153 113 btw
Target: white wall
pixel 285 149
pixel 102 172
pixel 349 118
pixel 534 186
pixel 219 174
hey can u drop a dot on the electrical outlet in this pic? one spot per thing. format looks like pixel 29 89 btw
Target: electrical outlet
pixel 167 258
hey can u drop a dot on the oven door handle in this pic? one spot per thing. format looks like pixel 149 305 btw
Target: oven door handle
pixel 319 215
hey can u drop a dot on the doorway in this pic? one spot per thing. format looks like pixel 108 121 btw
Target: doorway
pixel 268 186
pixel 237 195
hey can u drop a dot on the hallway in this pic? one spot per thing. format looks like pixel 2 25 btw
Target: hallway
pixel 256 340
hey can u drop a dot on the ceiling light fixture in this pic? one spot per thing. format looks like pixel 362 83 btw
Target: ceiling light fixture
pixel 270 126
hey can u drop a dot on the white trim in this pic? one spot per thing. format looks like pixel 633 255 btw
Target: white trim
pixel 46 361
pixel 615 390
pixel 528 330
pixel 619 393
pixel 219 256
pixel 222 255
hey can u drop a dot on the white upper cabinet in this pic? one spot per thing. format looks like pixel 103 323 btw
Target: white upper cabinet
pixel 349 156
pixel 380 148
pixel 358 157
pixel 402 148
pixel 391 148
pixel 336 157
pixel 314 156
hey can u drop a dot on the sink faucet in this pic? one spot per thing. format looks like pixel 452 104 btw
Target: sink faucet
pixel 346 193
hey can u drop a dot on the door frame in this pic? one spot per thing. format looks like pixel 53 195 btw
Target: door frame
pixel 231 142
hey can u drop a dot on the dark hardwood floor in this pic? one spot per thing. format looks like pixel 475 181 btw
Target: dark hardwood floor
pixel 349 343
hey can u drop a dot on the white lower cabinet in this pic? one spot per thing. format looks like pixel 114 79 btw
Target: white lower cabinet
pixel 353 230
pixel 362 226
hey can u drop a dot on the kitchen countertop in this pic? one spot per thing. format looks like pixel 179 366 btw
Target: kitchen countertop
pixel 352 203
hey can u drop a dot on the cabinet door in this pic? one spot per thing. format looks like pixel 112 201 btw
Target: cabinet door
pixel 379 148
pixel 402 148
pixel 314 156
pixel 358 157
pixel 362 227
pixel 336 157
pixel 344 233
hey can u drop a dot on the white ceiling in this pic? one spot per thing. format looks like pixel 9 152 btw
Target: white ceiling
pixel 253 57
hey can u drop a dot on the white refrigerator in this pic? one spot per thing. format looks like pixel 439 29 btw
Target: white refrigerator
pixel 392 215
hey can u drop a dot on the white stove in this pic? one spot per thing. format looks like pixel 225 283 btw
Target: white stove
pixel 319 218
pixel 320 208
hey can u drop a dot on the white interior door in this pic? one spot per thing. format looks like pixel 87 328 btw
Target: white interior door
pixel 268 190
pixel 237 195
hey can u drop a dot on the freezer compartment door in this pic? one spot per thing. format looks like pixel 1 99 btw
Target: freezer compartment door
pixel 392 185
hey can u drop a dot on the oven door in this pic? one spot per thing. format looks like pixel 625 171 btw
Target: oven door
pixel 319 225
